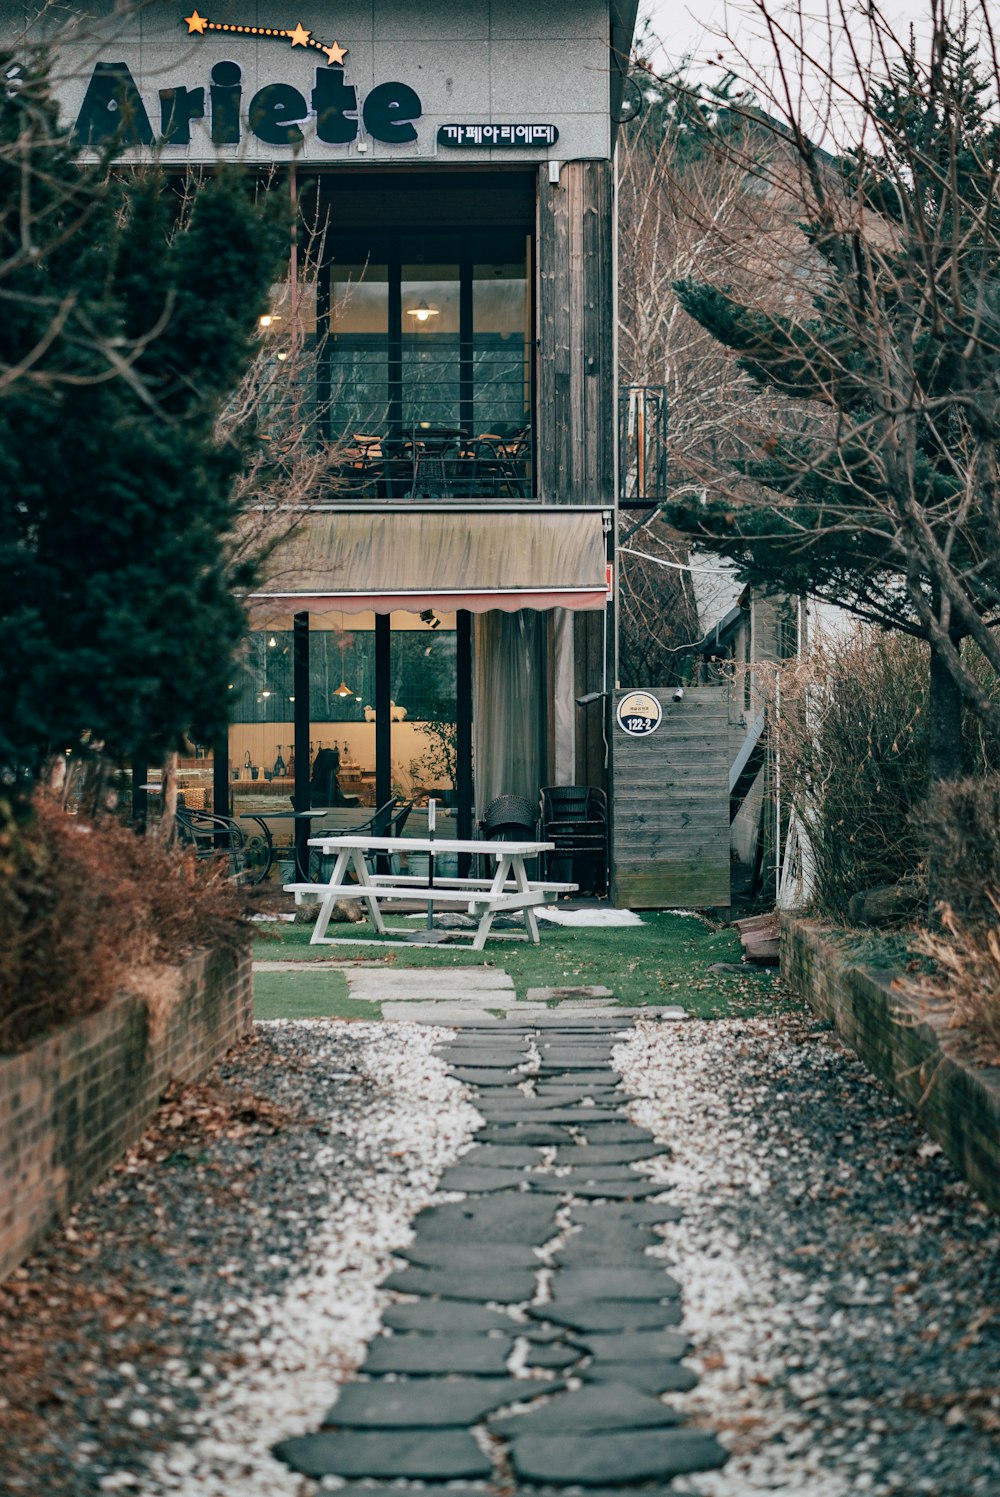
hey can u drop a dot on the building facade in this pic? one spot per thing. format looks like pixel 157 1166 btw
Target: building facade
pixel 433 617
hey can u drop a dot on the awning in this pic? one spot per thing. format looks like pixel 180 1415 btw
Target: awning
pixel 478 560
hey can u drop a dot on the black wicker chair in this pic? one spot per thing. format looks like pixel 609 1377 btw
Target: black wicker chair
pixel 575 818
pixel 509 818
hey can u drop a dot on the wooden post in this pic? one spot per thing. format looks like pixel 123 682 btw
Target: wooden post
pixel 140 797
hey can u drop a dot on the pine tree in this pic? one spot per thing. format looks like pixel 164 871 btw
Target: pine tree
pixel 125 326
pixel 877 486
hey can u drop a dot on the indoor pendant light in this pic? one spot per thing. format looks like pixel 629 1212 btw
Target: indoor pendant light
pixel 421 311
pixel 343 690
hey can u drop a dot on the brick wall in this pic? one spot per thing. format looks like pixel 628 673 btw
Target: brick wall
pixel 957 1103
pixel 72 1104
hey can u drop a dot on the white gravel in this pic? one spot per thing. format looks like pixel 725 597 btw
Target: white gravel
pixel 833 1267
pixel 313 1334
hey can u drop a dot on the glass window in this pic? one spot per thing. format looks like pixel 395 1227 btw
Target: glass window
pixel 501 345
pixel 359 348
pixel 430 358
pixel 431 355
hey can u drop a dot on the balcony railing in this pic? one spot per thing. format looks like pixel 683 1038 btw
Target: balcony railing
pixel 434 462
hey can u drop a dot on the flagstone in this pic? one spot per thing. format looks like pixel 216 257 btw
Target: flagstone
pixel 475 1354
pixel 595 1407
pixel 512 1217
pixel 505 1285
pixel 435 1317
pixel 425 1403
pixel 616 1315
pixel 638 1455
pixel 422 1455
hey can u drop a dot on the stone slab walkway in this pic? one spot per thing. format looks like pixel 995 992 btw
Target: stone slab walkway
pixel 534 1335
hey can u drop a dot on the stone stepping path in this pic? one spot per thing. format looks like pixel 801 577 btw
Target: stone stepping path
pixel 533 1336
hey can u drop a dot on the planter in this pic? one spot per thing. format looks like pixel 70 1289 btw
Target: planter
pixel 911 1051
pixel 71 1105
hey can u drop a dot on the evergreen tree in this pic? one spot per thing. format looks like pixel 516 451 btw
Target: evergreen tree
pixel 876 487
pixel 125 326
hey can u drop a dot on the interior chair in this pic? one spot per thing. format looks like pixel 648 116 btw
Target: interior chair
pixel 397 469
pixel 575 818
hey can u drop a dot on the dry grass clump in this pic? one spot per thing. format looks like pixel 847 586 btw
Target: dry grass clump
pixel 83 904
pixel 961 823
pixel 965 983
pixel 962 827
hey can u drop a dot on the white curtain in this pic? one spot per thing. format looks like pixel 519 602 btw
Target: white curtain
pixel 563 697
pixel 510 705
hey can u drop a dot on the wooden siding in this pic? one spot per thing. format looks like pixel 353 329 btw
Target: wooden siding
pixel 575 390
pixel 670 821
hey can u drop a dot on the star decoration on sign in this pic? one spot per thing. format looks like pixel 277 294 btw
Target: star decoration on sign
pixel 300 36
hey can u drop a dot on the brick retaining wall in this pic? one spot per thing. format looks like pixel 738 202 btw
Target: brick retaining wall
pixel 73 1103
pixel 957 1103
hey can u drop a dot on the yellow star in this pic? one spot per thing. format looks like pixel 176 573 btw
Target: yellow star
pixel 300 36
pixel 195 22
pixel 335 53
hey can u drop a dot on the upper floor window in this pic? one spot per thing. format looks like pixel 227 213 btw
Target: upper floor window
pixel 428 364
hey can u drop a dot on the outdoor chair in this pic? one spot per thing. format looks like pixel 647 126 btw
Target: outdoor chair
pixel 509 818
pixel 387 821
pixel 575 818
pixel 220 837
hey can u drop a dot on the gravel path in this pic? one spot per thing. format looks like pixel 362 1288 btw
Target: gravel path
pixel 841 1284
pixel 536 1333
pixel 207 1298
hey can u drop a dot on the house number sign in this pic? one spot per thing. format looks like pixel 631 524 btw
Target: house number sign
pixel 639 714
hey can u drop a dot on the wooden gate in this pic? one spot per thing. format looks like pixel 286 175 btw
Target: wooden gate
pixel 670 807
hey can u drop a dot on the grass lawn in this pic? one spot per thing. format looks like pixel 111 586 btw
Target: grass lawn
pixel 309 994
pixel 665 960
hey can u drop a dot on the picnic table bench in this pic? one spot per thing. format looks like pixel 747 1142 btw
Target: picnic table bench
pixel 509 891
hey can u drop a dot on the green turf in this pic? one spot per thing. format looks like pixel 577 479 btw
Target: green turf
pixel 663 961
pixel 306 995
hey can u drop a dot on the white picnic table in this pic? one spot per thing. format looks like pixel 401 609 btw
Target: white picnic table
pixel 509 891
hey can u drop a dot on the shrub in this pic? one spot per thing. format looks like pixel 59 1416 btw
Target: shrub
pixel 84 904
pixel 852 733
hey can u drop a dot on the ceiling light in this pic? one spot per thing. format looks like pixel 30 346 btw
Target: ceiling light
pixel 421 311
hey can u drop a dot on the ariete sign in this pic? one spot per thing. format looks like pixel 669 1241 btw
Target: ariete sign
pixel 114 107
